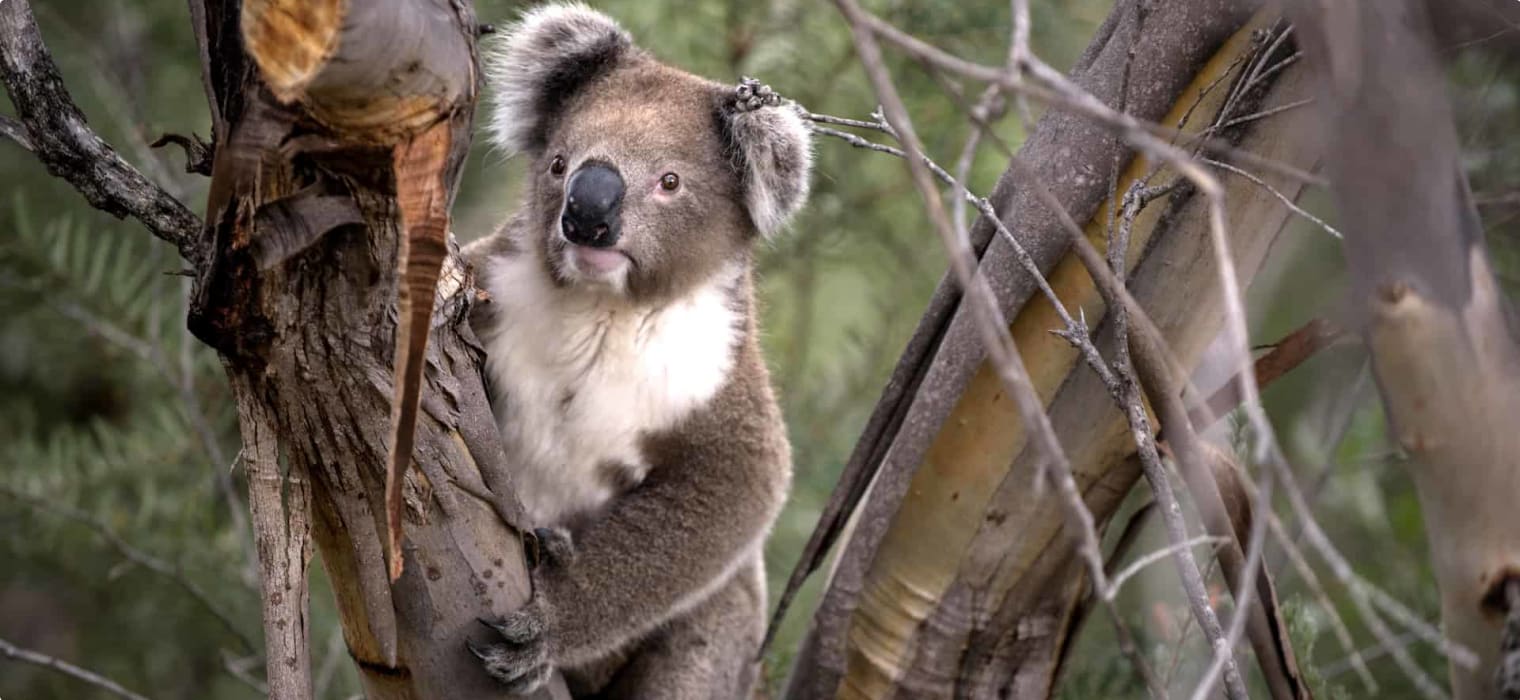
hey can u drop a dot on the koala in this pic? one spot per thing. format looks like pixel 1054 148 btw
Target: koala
pixel 623 361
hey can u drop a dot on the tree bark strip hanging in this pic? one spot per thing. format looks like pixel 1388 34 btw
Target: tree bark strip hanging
pixel 295 288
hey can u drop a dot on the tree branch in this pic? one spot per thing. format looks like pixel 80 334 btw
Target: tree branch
pixel 281 506
pixel 172 572
pixel 26 655
pixel 63 141
pixel 15 131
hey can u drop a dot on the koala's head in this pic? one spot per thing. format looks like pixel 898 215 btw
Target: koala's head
pixel 644 180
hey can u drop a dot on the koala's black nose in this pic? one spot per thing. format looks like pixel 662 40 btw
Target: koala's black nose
pixel 592 203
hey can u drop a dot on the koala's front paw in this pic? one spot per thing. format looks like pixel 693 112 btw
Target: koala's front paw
pixel 521 659
pixel 751 95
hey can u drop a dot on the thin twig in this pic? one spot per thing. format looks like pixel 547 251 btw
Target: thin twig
pixel 1362 595
pixel 240 668
pixel 15 131
pixel 1287 202
pixel 990 323
pixel 1247 585
pixel 27 655
pixel 335 654
pixel 1057 89
pixel 1263 114
pixel 172 572
pixel 1140 563
pixel 1317 589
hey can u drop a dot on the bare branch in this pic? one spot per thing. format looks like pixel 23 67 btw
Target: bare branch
pixel 172 572
pixel 991 324
pixel 1246 583
pixel 1263 114
pixel 1364 595
pixel 240 668
pixel 1289 203
pixel 1286 354
pixel 183 384
pixel 64 143
pixel 1317 589
pixel 26 655
pixel 281 506
pixel 1139 564
pixel 15 131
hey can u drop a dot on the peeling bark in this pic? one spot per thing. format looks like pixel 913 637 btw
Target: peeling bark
pixel 345 132
pixel 958 580
pixel 348 123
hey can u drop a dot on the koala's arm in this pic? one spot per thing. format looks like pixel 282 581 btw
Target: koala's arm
pixel 705 509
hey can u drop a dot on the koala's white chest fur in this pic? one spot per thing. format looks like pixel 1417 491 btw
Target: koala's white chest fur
pixel 577 383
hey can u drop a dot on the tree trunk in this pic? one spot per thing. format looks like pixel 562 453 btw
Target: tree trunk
pixel 297 293
pixel 959 577
pixel 1441 333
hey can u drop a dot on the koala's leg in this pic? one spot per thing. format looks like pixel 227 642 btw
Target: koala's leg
pixel 706 654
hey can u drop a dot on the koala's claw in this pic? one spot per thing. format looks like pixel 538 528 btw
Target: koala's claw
pixel 751 95
pixel 521 661
pixel 550 544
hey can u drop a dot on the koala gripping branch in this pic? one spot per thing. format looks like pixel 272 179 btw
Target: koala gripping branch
pixel 346 128
pixel 340 128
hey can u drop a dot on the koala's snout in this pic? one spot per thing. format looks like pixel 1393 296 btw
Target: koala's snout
pixel 593 201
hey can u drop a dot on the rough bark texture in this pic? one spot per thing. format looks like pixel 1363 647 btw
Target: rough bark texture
pixel 281 508
pixel 56 132
pixel 296 287
pixel 299 295
pixel 959 577
pixel 1442 336
pixel 1074 156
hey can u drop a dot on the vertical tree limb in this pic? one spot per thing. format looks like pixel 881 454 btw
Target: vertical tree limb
pixel 281 507
pixel 1441 334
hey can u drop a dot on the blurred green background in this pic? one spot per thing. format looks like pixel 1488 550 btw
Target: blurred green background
pixel 120 421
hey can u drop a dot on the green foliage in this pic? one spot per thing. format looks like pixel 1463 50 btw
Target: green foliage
pixel 109 406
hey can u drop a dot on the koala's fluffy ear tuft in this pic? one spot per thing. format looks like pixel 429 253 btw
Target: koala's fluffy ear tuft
pixel 540 63
pixel 773 147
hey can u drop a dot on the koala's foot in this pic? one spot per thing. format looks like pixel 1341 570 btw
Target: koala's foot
pixel 752 95
pixel 521 659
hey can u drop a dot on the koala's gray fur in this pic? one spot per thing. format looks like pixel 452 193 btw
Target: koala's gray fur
pixel 631 394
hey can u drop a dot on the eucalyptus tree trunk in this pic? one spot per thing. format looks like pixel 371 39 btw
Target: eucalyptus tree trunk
pixel 1442 335
pixel 330 115
pixel 959 577
pixel 339 131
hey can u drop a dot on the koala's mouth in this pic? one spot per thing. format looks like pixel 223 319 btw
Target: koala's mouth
pixel 598 261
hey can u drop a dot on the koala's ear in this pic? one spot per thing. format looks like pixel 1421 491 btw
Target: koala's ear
pixel 541 63
pixel 772 146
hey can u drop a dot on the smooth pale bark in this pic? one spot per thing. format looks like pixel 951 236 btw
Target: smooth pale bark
pixel 971 583
pixel 1441 333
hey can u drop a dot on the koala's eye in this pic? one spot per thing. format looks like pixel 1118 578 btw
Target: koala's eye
pixel 670 181
pixel 557 166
